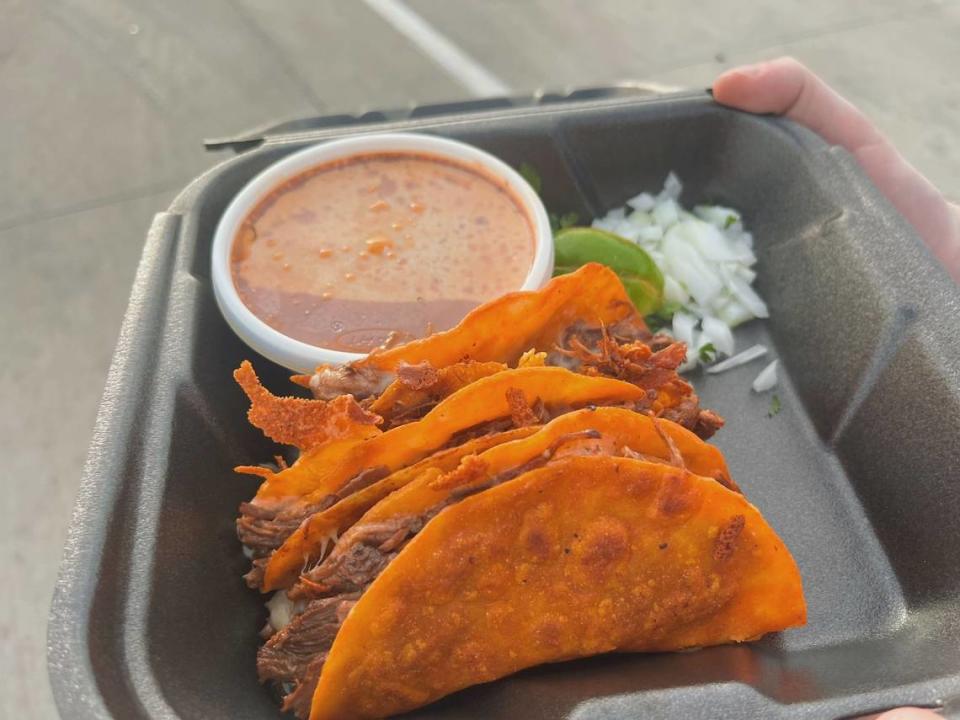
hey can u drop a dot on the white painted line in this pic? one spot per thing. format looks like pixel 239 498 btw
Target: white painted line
pixel 463 68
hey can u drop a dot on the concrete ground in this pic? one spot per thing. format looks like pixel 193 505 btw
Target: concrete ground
pixel 103 105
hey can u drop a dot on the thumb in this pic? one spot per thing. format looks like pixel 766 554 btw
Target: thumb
pixel 785 87
pixel 909 713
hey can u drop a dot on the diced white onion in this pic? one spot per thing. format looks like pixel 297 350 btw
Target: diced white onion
pixel 650 233
pixel 745 294
pixel 713 245
pixel 666 213
pixel 748 355
pixel 718 333
pixel 733 313
pixel 643 202
pixel 767 378
pixel 707 260
pixel 616 215
pixel 672 188
pixel 745 273
pixel 717 215
pixel 685 264
pixel 693 351
pixel 683 326
pixel 627 229
pixel 674 291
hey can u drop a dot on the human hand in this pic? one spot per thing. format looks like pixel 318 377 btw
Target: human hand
pixel 785 87
pixel 909 713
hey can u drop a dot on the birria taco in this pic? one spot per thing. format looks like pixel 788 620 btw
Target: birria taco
pixel 601 508
pixel 528 487
pixel 576 342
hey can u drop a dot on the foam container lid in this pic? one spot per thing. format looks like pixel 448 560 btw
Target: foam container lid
pixel 859 473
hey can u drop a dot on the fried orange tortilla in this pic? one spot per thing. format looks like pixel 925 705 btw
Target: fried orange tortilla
pixel 291 483
pixel 504 329
pixel 494 397
pixel 583 321
pixel 301 422
pixel 419 387
pixel 264 525
pixel 324 469
pixel 587 555
pixel 599 431
pixel 338 517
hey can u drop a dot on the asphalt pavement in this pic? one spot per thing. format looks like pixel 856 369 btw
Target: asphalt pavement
pixel 104 103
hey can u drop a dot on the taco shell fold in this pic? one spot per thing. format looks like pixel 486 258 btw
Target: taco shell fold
pixel 590 554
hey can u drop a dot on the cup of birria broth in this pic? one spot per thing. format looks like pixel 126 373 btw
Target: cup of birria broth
pixel 373 241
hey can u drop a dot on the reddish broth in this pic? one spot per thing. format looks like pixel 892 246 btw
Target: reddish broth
pixel 380 248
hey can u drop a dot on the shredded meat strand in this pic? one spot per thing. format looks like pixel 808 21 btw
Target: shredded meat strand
pixel 538 461
pixel 707 423
pixel 287 653
pixel 361 382
pixel 418 377
pixel 363 479
pixel 299 700
pixel 263 529
pixel 676 458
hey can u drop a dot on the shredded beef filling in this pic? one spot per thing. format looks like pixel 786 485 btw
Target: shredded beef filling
pixel 410 414
pixel 362 479
pixel 361 382
pixel 418 377
pixel 255 575
pixel 687 412
pixel 300 698
pixel 624 332
pixel 471 433
pixel 532 464
pixel 263 529
pixel 295 654
pixel 707 423
pixel 353 567
pixel 348 574
pixel 649 361
pixel 287 653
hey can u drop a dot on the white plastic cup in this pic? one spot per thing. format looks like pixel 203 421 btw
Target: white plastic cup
pixel 301 356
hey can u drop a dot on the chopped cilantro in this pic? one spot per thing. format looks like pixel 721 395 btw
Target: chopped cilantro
pixel 731 219
pixel 708 353
pixel 560 222
pixel 774 405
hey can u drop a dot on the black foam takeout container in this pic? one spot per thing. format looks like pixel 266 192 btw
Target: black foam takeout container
pixel 858 472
